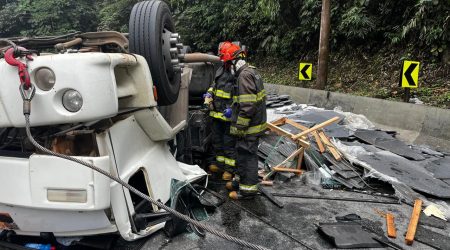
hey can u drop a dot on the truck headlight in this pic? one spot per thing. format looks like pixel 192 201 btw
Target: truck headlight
pixel 72 100
pixel 45 79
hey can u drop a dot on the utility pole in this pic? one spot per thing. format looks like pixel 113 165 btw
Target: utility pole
pixel 324 45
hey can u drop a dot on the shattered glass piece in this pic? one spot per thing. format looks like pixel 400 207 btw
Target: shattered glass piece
pixel 286 148
pixel 407 172
pixel 265 148
pixel 271 139
pixel 383 140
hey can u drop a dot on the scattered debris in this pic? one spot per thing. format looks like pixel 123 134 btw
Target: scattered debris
pixel 407 172
pixel 348 235
pixel 432 239
pixel 383 140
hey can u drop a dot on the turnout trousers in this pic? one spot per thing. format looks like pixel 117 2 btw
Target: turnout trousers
pixel 223 146
pixel 247 162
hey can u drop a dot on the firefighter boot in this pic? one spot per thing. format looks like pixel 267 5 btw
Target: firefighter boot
pixel 238 195
pixel 232 185
pixel 213 168
pixel 227 176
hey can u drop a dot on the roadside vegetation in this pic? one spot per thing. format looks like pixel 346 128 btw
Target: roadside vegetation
pixel 369 39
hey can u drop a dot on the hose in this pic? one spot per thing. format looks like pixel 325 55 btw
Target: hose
pixel 207 228
pixel 201 57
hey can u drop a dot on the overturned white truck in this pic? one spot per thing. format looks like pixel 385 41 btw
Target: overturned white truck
pixel 97 98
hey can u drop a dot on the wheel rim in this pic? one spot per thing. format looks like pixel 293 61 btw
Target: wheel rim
pixel 171 51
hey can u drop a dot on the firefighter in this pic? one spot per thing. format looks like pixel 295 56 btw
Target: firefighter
pixel 219 98
pixel 248 121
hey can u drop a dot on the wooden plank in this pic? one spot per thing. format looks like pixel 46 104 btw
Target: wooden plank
pixel 330 146
pixel 303 143
pixel 318 126
pixel 279 130
pixel 412 227
pixel 335 153
pixel 279 122
pixel 284 169
pixel 283 132
pixel 391 230
pixel 319 142
pixel 296 124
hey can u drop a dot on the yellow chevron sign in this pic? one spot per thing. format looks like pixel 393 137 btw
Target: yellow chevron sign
pixel 305 71
pixel 410 74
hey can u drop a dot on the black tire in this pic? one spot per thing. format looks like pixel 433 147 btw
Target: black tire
pixel 148 21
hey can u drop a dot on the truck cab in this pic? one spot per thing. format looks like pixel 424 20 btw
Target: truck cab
pixel 99 98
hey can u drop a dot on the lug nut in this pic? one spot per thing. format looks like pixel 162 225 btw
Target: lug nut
pixel 173 40
pixel 181 65
pixel 175 61
pixel 175 35
pixel 173 50
pixel 181 56
pixel 179 45
pixel 177 69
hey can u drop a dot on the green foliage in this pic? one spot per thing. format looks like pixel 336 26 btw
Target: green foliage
pixel 289 28
pixel 114 15
pixel 50 17
pixel 11 21
pixel 281 28
pixel 46 17
pixel 356 24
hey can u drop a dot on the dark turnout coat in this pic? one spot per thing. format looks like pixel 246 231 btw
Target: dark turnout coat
pixel 222 92
pixel 249 104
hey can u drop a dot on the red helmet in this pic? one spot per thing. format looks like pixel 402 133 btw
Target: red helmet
pixel 229 51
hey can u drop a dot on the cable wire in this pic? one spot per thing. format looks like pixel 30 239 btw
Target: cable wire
pixel 140 194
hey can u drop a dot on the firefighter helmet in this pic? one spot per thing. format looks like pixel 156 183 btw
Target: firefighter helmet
pixel 229 51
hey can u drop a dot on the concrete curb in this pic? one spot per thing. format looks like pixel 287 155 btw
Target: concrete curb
pixel 430 122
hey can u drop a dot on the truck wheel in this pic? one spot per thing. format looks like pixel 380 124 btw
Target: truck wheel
pixel 152 35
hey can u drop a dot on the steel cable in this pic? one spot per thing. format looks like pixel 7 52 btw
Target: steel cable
pixel 140 194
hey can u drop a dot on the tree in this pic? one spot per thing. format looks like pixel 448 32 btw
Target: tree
pixel 324 48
